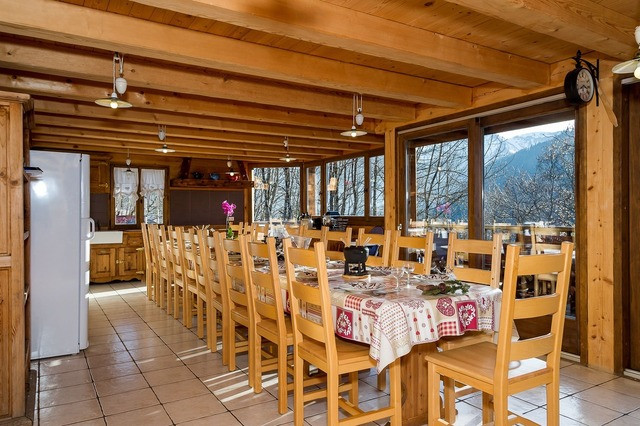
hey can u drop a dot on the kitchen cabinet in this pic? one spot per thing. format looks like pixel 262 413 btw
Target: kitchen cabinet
pixel 99 176
pixel 118 261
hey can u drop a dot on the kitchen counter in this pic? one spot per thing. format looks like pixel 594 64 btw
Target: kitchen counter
pixel 107 237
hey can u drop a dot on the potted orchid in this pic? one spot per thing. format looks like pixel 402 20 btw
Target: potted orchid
pixel 228 210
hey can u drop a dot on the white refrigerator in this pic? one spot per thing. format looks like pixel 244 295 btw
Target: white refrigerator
pixel 60 233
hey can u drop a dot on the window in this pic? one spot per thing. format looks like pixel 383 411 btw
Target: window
pixel 152 191
pixel 276 193
pixel 376 185
pixel 125 194
pixel 314 190
pixel 345 186
pixel 441 182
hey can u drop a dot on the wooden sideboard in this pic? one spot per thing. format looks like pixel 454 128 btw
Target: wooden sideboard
pixel 124 261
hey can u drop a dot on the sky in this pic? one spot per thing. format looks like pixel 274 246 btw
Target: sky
pixel 553 127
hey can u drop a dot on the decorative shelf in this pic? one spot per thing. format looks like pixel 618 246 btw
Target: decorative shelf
pixel 210 184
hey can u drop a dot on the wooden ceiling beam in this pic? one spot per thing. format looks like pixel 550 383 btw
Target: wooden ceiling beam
pixel 231 147
pixel 111 126
pixel 364 33
pixel 584 22
pixel 56 21
pixel 146 78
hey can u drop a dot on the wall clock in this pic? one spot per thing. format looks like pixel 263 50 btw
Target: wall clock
pixel 581 84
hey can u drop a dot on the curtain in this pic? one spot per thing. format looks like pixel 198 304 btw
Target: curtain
pixel 152 181
pixel 125 192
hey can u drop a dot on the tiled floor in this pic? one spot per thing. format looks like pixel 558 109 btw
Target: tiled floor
pixel 145 368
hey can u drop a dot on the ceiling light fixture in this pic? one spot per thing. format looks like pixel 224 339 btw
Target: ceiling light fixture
pixel 287 158
pixel 632 65
pixel 230 172
pixel 119 86
pixel 162 134
pixel 358 118
pixel 128 163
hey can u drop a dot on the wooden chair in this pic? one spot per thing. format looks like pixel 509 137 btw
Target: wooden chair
pixel 485 366
pixel 335 237
pixel 148 274
pixel 193 290
pixel 164 285
pixel 177 262
pixel 259 231
pixel 417 243
pixel 152 273
pixel 209 267
pixel 383 241
pixel 316 234
pixel 316 343
pixel 477 275
pixel 293 230
pixel 546 240
pixel 237 228
pixel 238 294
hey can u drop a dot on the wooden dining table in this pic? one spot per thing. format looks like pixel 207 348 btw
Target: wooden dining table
pixel 398 321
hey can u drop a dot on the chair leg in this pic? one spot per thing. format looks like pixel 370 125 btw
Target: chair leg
pixel 382 380
pixel 553 403
pixel 251 357
pixel 353 393
pixel 487 408
pixel 169 302
pixel 395 392
pixel 212 327
pixel 449 400
pixel 282 378
pixel 176 297
pixel 501 408
pixel 231 345
pixel 187 303
pixel 199 310
pixel 226 321
pixel 255 358
pixel 298 389
pixel 160 295
pixel 433 394
pixel 332 398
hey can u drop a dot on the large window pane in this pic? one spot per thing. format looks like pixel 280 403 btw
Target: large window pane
pixel 314 190
pixel 345 186
pixel 441 171
pixel 152 190
pixel 125 194
pixel 376 186
pixel 276 194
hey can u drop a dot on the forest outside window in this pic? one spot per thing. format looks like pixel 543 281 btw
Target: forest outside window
pixel 152 191
pixel 276 193
pixel 125 194
pixel 346 186
pixel 376 185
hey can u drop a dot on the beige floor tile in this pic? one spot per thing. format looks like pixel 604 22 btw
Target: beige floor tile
pixel 128 401
pixel 569 386
pixel 516 405
pixel 95 422
pixel 168 375
pixel 159 363
pixel 262 414
pixel 565 363
pixel 120 385
pixel 624 421
pixel 105 338
pixel 209 370
pixel 586 412
pixel 635 414
pixel 610 399
pixel 188 346
pixel 184 336
pixel 150 353
pixel 62 366
pixel 136 335
pixel 180 390
pixel 242 396
pixel 151 416
pixel 539 415
pixel 168 331
pixel 194 408
pixel 623 385
pixel 66 395
pixel 101 331
pixel 536 396
pixel 132 328
pixel 589 375
pixel 71 378
pixel 104 348
pixel 143 343
pixel 96 361
pixel 116 370
pixel 225 419
pixel 70 413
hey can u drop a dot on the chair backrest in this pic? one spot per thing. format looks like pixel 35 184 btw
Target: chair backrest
pixel 548 239
pixel 383 242
pixel 237 227
pixel 293 229
pixel 316 234
pixel 174 252
pixel 259 231
pixel 334 237
pixel 213 265
pixel 147 247
pixel 266 293
pixel 554 304
pixel 319 325
pixel 187 248
pixel 164 262
pixel 470 247
pixel 235 270
pixel 152 233
pixel 424 243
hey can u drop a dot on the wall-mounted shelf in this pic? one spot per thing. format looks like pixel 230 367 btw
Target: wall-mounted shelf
pixel 210 184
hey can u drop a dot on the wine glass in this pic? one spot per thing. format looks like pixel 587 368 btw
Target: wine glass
pixel 408 268
pixel 396 272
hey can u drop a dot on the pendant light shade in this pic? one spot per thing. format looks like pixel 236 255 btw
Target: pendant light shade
pixel 162 134
pixel 287 158
pixel 358 118
pixel 119 86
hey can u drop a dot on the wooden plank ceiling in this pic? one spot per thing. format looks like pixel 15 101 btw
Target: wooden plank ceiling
pixel 233 78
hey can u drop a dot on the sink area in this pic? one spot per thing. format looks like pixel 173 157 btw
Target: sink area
pixel 107 237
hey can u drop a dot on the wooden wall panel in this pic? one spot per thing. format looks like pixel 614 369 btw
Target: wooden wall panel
pixel 390 179
pixel 5 285
pixel 4 201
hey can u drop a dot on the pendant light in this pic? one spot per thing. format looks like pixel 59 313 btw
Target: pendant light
pixel 119 86
pixel 162 134
pixel 230 172
pixel 287 158
pixel 128 163
pixel 358 118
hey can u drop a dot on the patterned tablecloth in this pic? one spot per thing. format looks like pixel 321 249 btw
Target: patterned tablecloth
pixel 393 320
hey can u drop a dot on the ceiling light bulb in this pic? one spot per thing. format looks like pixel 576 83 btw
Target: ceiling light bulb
pixel 121 85
pixel 354 133
pixel 114 102
pixel 229 163
pixel 359 117
pixel 287 159
pixel 636 73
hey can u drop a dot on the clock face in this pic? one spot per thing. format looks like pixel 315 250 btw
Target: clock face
pixel 584 85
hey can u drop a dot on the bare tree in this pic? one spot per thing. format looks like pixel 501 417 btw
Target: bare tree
pixel 280 196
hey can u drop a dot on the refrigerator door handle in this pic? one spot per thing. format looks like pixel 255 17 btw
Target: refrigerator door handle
pixel 92 229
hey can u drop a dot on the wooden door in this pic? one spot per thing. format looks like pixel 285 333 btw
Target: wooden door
pixel 634 228
pixel 103 264
pixel 99 177
pixel 130 262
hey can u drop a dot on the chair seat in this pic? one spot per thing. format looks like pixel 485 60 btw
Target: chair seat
pixel 240 315
pixel 350 355
pixel 269 329
pixel 479 361
pixel 469 338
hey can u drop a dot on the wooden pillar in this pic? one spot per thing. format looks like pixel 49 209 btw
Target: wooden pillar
pixel 476 179
pixel 391 181
pixel 599 240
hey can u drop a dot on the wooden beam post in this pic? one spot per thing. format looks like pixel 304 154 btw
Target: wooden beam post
pixel 390 180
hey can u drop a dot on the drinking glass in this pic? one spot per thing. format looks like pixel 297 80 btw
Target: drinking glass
pixel 396 272
pixel 408 268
